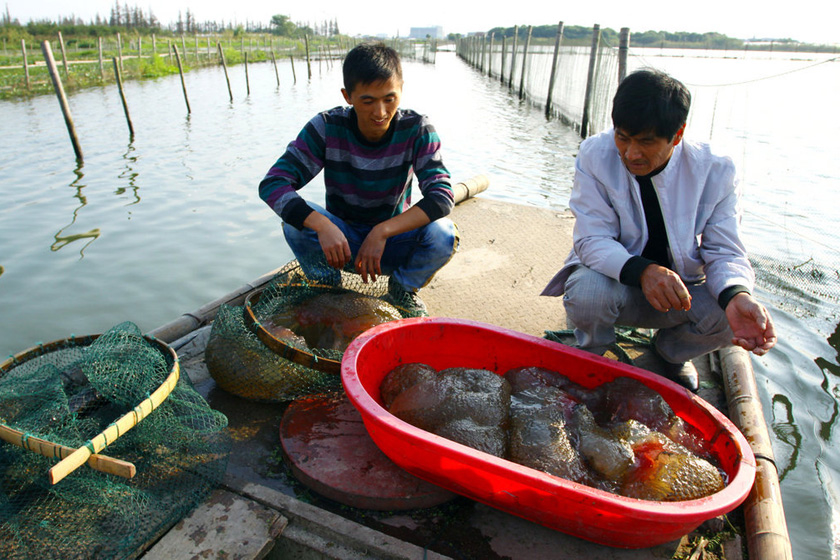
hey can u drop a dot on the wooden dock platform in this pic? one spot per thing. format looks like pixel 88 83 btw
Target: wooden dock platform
pixel 508 252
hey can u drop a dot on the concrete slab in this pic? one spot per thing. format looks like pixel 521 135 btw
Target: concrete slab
pixel 225 525
pixel 508 253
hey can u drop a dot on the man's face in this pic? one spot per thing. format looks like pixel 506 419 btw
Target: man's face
pixel 645 152
pixel 375 105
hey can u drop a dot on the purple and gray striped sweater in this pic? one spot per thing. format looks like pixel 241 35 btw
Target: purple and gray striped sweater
pixel 365 182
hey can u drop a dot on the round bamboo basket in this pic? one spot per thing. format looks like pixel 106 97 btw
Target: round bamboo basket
pixel 72 459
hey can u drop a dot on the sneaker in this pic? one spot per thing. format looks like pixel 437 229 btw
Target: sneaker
pixel 407 299
pixel 685 374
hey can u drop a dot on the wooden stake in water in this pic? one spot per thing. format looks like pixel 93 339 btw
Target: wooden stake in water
pixel 294 76
pixel 181 71
pixel 590 81
pixel 276 72
pixel 308 61
pixel 119 50
pixel 504 55
pixel 101 65
pixel 63 55
pixel 513 55
pixel 118 75
pixel 557 42
pixel 224 65
pixel 623 48
pixel 524 63
pixel 25 64
pixel 62 99
pixel 247 80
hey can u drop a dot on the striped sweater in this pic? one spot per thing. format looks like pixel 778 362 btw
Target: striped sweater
pixel 365 182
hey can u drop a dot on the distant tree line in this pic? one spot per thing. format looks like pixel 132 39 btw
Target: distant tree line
pixel 124 18
pixel 580 35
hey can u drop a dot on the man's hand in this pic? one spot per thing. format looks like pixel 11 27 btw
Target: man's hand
pixel 369 256
pixel 333 243
pixel 751 324
pixel 664 289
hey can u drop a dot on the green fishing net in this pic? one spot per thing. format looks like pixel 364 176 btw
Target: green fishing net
pixel 67 393
pixel 287 341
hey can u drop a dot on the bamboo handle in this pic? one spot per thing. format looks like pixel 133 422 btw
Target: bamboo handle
pixel 101 463
pixel 78 457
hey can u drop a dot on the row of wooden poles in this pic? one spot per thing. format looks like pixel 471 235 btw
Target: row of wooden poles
pixel 52 68
pixel 478 52
pixel 209 53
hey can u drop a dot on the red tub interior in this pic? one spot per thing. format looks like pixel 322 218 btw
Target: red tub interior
pixel 550 501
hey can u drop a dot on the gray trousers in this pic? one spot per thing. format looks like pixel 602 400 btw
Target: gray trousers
pixel 595 304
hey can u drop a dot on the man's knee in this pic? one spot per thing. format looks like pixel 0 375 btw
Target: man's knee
pixel 441 238
pixel 591 295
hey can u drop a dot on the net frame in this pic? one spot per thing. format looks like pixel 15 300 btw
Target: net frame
pixel 72 459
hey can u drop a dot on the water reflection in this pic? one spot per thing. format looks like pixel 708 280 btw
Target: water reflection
pixel 130 174
pixel 62 240
pixel 831 372
pixel 786 432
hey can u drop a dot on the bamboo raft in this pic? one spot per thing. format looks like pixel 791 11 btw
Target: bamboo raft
pixel 507 254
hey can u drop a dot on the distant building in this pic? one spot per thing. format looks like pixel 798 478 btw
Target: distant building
pixel 423 32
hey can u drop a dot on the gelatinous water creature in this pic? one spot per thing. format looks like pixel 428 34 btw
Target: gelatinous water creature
pixel 637 462
pixel 621 437
pixel 540 409
pixel 332 320
pixel 468 406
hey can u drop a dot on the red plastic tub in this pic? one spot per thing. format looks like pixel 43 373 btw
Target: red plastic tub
pixel 560 504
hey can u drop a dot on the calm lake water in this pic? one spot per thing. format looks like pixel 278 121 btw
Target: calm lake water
pixel 150 228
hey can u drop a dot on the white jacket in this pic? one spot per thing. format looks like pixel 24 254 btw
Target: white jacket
pixel 699 196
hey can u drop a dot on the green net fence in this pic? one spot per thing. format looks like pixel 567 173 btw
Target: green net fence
pixel 287 341
pixel 69 392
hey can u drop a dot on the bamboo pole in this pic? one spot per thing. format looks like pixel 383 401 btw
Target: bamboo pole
pixel 623 48
pixel 490 56
pixel 118 75
pixel 101 64
pixel 154 44
pixel 294 75
pixel 308 62
pixel 101 463
pixel 524 63
pixel 63 55
pixel 557 41
pixel 767 535
pixel 513 54
pixel 119 50
pixel 590 81
pixel 276 72
pixel 181 72
pixel 25 63
pixel 247 80
pixel 224 65
pixel 504 56
pixel 62 99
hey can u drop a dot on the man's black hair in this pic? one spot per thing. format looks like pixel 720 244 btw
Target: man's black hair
pixel 367 63
pixel 650 100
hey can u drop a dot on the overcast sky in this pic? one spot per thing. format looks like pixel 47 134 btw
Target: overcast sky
pixel 804 20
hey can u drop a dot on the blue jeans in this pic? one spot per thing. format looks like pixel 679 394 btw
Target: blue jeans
pixel 595 303
pixel 411 258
